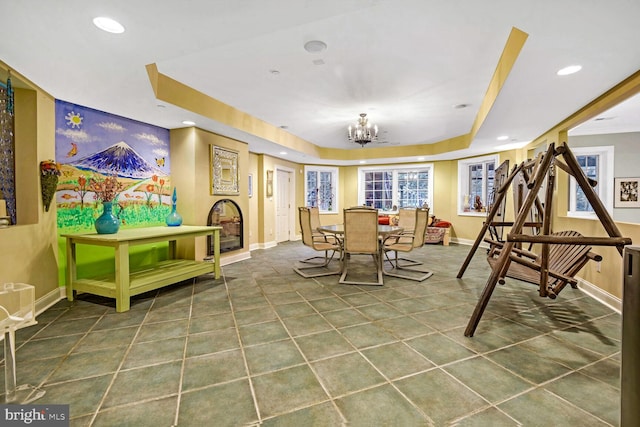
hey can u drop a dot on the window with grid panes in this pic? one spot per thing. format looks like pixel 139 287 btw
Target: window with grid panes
pixel 398 186
pixel 597 164
pixel 321 188
pixel 475 177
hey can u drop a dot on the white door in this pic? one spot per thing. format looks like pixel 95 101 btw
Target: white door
pixel 283 205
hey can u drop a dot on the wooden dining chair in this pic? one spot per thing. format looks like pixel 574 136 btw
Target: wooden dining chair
pixel 404 242
pixel 317 243
pixel 361 238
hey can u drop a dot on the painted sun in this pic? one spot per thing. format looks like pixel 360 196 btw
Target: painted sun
pixel 73 119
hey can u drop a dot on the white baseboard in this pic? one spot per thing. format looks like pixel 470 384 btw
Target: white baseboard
pixel 267 245
pixel 467 242
pixel 598 294
pixel 230 259
pixel 43 303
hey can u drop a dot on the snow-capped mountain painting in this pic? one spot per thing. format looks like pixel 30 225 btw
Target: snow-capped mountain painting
pixel 119 159
pixel 91 145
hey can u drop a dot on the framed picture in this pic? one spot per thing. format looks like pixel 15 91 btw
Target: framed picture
pixel 269 183
pixel 250 182
pixel 224 171
pixel 625 194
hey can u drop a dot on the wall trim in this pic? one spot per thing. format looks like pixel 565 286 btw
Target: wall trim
pixel 267 245
pixel 230 259
pixel 45 302
pixel 611 301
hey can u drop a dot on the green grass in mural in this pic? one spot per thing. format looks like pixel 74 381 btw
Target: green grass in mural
pixel 75 218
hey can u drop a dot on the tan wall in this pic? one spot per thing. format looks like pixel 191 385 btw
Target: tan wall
pixel 190 150
pixel 29 250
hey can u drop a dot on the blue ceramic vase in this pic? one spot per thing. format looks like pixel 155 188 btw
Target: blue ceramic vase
pixel 174 219
pixel 107 223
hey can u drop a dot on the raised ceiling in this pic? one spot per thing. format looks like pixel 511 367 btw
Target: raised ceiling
pixel 406 63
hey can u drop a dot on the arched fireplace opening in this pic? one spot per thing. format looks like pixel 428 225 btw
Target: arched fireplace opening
pixel 226 214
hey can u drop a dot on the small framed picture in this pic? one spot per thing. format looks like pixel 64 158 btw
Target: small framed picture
pixel 269 183
pixel 625 193
pixel 250 185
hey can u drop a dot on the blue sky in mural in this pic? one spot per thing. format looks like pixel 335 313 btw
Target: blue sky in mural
pixel 83 131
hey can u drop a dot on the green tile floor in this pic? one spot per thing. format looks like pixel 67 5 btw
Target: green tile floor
pixel 264 346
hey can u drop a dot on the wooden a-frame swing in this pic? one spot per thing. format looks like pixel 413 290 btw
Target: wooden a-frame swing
pixel 562 254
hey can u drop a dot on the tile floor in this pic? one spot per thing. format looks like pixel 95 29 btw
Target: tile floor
pixel 263 346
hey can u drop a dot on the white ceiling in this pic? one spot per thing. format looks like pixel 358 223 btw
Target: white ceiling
pixel 405 63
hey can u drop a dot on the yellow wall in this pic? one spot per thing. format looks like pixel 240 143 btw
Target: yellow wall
pixel 190 150
pixel 28 250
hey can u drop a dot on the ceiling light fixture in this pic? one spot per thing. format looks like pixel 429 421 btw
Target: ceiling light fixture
pixel 109 25
pixel 362 133
pixel 188 122
pixel 502 138
pixel 315 46
pixel 569 70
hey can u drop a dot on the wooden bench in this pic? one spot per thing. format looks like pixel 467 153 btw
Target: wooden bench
pixel 565 261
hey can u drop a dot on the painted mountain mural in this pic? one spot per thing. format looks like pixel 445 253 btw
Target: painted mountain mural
pixel 118 159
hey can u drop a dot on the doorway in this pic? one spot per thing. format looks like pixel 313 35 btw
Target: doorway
pixel 283 193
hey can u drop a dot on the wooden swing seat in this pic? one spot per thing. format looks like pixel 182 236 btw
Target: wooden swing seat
pixel 564 262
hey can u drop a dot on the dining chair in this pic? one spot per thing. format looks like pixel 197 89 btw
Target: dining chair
pixel 407 221
pixel 404 242
pixel 314 216
pixel 317 243
pixel 361 238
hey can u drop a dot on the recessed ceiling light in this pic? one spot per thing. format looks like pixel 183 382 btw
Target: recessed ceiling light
pixel 503 138
pixel 284 153
pixel 460 106
pixel 599 119
pixel 363 161
pixel 109 25
pixel 315 46
pixel 188 122
pixel 274 72
pixel 569 70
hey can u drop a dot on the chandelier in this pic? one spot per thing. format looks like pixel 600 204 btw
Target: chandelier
pixel 363 133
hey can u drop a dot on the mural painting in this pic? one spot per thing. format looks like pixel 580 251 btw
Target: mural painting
pixel 92 146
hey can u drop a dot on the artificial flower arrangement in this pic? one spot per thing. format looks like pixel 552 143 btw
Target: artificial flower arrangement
pixel 49 175
pixel 105 189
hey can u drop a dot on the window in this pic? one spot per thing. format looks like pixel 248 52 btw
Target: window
pixel 321 188
pixel 475 183
pixel 597 164
pixel 400 186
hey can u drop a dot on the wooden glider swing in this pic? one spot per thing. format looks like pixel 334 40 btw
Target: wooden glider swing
pixel 562 254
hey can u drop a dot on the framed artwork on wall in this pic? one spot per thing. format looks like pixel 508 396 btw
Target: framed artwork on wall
pixel 625 194
pixel 269 183
pixel 224 171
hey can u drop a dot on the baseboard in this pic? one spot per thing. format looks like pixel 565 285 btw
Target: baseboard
pixel 611 301
pixel 467 242
pixel 267 245
pixel 43 303
pixel 254 246
pixel 230 259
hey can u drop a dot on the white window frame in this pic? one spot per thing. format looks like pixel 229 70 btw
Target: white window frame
pixel 395 169
pixel 463 181
pixel 335 208
pixel 604 188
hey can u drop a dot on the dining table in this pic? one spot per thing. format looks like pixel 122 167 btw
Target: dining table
pixel 383 230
